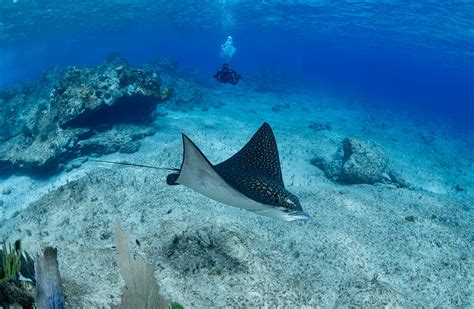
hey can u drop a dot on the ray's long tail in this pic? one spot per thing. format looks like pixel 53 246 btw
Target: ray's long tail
pixel 138 165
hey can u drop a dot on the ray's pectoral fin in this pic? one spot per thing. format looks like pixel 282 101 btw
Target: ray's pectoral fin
pixel 199 174
pixel 259 156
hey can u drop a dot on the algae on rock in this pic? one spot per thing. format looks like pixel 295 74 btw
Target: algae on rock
pixel 10 262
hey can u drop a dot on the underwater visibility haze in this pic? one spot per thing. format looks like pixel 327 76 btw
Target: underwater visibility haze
pixel 344 128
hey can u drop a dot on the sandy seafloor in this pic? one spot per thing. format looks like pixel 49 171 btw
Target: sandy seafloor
pixel 358 249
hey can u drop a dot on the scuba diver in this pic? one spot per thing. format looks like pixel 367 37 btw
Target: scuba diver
pixel 227 75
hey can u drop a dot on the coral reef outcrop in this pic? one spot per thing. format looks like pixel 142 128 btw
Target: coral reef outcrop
pixel 77 111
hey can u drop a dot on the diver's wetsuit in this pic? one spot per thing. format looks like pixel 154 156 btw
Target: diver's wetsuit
pixel 226 75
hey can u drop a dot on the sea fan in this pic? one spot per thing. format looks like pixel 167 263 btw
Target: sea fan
pixel 141 289
pixel 48 292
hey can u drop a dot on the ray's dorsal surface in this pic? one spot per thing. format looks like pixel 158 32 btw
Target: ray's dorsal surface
pixel 251 179
pixel 256 163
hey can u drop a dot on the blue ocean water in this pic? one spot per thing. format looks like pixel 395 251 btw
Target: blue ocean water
pixel 366 117
pixel 418 57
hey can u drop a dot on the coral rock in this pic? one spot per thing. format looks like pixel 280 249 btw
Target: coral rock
pixel 73 112
pixel 364 162
pixel 354 162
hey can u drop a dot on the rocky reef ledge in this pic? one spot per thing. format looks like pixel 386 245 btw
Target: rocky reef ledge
pixel 72 112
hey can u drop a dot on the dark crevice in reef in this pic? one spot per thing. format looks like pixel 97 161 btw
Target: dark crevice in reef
pixel 136 109
pixel 5 168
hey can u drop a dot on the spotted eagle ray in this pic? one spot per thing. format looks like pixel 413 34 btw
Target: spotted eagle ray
pixel 251 179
